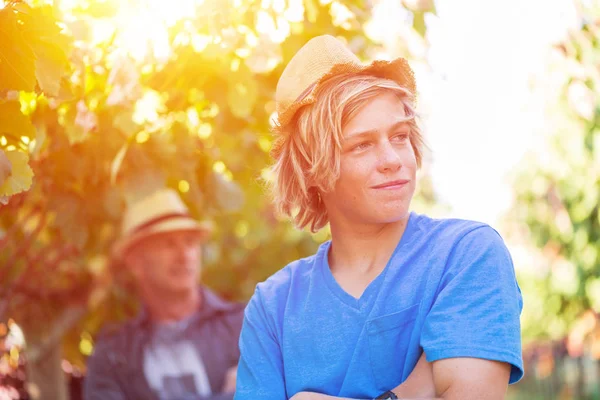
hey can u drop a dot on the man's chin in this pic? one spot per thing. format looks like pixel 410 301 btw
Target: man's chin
pixel 177 288
pixel 392 216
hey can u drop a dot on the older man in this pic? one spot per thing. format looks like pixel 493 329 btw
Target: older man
pixel 183 345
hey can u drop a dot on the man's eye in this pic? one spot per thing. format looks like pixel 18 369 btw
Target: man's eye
pixel 400 137
pixel 361 146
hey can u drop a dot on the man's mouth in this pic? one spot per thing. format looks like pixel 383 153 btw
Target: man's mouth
pixel 391 185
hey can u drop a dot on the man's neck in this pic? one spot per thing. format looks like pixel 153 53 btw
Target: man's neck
pixel 173 307
pixel 364 249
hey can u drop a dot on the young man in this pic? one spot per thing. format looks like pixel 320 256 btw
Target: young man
pixel 184 343
pixel 391 287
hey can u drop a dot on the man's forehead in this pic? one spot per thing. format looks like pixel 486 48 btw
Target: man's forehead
pixel 164 237
pixel 382 112
pixel 368 129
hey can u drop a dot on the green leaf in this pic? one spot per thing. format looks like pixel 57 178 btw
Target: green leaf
pixel 21 175
pixel 13 122
pixel 419 22
pixel 17 60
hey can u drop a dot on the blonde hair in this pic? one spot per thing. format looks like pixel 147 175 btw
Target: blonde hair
pixel 307 151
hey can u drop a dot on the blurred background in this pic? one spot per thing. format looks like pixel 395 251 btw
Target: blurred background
pixel 104 101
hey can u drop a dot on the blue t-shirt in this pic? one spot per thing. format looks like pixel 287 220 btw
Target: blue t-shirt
pixel 449 289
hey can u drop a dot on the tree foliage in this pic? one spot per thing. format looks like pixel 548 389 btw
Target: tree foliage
pixel 558 193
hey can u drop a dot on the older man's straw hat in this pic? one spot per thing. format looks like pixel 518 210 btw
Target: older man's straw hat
pixel 160 212
pixel 321 58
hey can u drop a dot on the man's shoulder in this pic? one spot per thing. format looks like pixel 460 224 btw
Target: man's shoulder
pixel 219 311
pixel 116 337
pixel 115 332
pixel 295 273
pixel 272 294
pixel 217 304
pixel 467 243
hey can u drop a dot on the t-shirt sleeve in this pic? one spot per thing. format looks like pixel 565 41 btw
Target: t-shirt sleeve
pixel 478 304
pixel 260 370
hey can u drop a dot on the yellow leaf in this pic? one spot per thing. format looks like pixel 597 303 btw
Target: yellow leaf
pixel 12 121
pixel 49 45
pixel 50 66
pixel 5 167
pixel 17 70
pixel 21 176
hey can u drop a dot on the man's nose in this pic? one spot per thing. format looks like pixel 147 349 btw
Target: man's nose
pixel 389 159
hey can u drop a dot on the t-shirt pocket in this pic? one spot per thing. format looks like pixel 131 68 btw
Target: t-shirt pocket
pixel 389 337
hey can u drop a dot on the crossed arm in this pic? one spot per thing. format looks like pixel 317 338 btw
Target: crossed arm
pixel 452 378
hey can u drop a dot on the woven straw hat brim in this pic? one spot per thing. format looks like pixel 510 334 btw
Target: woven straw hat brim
pixel 397 70
pixel 174 225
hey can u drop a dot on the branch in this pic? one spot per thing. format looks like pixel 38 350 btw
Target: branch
pixel 15 226
pixel 26 244
pixel 43 255
pixel 19 285
pixel 76 295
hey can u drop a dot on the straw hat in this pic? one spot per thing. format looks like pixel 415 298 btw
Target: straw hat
pixel 162 211
pixel 321 58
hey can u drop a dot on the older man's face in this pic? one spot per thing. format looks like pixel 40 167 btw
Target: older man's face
pixel 167 262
